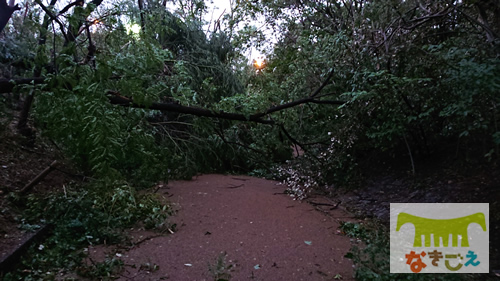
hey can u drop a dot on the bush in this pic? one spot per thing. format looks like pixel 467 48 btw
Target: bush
pixel 81 216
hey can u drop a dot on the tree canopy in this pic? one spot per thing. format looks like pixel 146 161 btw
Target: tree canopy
pixel 341 79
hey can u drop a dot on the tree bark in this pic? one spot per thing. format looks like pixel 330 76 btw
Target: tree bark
pixel 7 85
pixel 22 124
pixel 141 13
pixel 6 12
pixel 116 98
pixel 73 30
pixel 69 38
pixel 38 178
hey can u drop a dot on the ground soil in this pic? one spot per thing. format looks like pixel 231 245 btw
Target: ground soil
pixel 21 160
pixel 262 233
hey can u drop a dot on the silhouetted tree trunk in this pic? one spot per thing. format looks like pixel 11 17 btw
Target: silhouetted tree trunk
pixel 141 11
pixel 22 124
pixel 71 37
pixel 6 12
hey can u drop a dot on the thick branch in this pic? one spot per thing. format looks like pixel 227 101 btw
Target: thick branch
pixel 6 12
pixel 400 23
pixel 6 85
pixel 76 3
pixel 22 127
pixel 310 99
pixel 141 13
pixel 491 35
pixel 295 103
pixel 82 15
pixel 292 139
pixel 39 177
pixel 327 80
pixel 115 98
pixel 91 48
pixel 53 17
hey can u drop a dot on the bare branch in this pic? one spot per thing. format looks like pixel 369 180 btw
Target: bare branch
pixel 65 9
pixel 489 32
pixel 75 30
pixel 327 80
pixel 53 17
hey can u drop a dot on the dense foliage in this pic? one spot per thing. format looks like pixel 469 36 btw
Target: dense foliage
pixel 417 79
pixel 79 218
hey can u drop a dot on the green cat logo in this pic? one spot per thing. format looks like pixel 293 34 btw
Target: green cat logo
pixel 441 228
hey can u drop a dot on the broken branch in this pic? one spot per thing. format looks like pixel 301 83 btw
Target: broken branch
pixel 39 178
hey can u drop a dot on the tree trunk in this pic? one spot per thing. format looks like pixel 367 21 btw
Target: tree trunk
pixel 6 12
pixel 22 124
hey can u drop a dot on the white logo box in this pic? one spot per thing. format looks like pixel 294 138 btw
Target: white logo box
pixel 402 241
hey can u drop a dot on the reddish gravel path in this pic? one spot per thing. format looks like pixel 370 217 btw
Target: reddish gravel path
pixel 264 235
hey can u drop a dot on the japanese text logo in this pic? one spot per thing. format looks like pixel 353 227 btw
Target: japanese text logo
pixel 459 232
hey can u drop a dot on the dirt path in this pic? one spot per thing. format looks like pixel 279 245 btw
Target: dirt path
pixel 266 236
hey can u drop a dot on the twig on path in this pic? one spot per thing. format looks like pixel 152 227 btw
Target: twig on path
pixel 320 204
pixel 146 239
pixel 323 211
pixel 336 206
pixel 276 193
pixel 236 186
pixel 239 179
pixel 39 178
pixel 325 204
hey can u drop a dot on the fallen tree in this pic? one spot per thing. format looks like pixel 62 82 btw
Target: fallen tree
pixel 7 85
pixel 117 99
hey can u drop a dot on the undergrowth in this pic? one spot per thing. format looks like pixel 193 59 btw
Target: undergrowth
pixel 370 255
pixel 323 168
pixel 221 270
pixel 81 216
